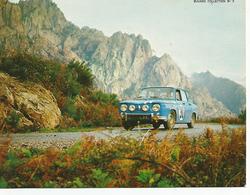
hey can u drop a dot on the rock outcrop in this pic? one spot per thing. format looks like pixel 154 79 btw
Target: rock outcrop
pixel 34 105
pixel 122 63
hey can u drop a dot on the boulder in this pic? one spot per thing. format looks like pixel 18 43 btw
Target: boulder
pixel 34 105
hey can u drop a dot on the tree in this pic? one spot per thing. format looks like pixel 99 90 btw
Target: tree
pixel 82 73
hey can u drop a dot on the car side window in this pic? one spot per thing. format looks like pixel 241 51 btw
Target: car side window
pixel 189 98
pixel 178 95
pixel 184 97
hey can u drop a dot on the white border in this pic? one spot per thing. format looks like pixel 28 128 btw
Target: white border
pixel 130 191
pixel 173 191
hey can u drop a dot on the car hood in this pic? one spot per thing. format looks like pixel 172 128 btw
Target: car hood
pixel 147 101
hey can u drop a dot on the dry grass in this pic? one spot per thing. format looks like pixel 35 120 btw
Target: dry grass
pixel 212 159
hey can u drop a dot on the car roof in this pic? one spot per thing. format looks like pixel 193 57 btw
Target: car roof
pixel 164 87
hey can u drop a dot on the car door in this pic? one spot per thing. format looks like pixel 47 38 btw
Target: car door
pixel 187 106
pixel 180 107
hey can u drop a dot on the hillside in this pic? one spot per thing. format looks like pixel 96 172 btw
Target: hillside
pixel 231 94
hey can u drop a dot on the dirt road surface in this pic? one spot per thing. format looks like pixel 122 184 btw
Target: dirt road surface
pixel 66 139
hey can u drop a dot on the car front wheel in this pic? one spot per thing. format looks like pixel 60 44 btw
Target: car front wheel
pixel 170 123
pixel 128 126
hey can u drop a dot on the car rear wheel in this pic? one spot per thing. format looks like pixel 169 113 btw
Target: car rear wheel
pixel 170 123
pixel 128 126
pixel 156 125
pixel 192 123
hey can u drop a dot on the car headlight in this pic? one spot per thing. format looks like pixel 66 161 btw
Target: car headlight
pixel 132 108
pixel 156 107
pixel 123 107
pixel 145 108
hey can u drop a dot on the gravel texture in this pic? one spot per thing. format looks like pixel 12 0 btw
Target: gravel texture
pixel 63 140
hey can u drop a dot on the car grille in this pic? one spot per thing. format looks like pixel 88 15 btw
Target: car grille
pixel 137 117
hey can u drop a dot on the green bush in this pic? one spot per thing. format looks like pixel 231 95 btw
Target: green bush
pixel 70 87
pixel 148 177
pixel 71 110
pixel 166 183
pixel 105 98
pixel 100 178
pixel 13 119
pixel 30 68
pixel 77 183
pixel 69 79
pixel 82 73
pixel 3 183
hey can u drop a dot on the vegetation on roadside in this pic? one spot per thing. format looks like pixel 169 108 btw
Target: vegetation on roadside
pixel 212 159
pixel 241 119
pixel 73 86
pixel 242 115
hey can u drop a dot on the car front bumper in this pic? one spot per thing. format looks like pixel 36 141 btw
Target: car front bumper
pixel 142 118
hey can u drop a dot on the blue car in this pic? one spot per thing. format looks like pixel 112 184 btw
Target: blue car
pixel 158 105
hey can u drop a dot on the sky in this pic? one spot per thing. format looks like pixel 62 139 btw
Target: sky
pixel 198 36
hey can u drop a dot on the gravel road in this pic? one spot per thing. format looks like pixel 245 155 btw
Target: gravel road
pixel 65 139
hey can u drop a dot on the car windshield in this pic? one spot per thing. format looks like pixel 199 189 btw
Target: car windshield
pixel 157 92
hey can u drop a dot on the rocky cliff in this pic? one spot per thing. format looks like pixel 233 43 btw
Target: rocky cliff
pixel 34 106
pixel 122 63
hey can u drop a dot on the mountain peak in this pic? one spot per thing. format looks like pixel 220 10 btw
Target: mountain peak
pixel 166 56
pixel 35 3
pixel 120 34
pixel 208 72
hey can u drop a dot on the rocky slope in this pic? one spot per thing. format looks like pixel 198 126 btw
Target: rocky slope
pixel 231 94
pixel 35 106
pixel 122 63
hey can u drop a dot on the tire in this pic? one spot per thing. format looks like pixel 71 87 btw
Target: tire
pixel 192 123
pixel 128 126
pixel 170 123
pixel 156 125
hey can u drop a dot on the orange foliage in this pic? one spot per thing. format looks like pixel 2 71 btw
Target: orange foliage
pixel 212 159
pixel 4 146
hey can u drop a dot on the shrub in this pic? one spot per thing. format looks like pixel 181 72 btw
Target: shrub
pixel 148 177
pixel 104 98
pixel 71 87
pixel 212 159
pixel 221 120
pixel 30 68
pixel 82 73
pixel 100 178
pixel 71 109
pixel 69 79
pixel 3 183
pixel 13 119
